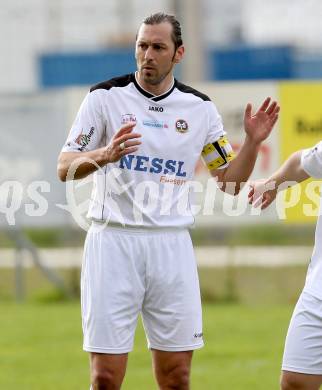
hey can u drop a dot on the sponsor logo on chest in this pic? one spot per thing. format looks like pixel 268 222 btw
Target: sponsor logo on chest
pixel 153 165
pixel 126 118
pixel 154 123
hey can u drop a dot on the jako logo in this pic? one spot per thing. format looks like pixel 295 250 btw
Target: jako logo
pixel 152 165
pixel 197 335
pixel 156 109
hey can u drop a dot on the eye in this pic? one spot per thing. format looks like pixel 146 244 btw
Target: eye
pixel 157 47
pixel 142 46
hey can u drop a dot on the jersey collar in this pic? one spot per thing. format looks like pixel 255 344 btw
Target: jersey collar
pixel 149 95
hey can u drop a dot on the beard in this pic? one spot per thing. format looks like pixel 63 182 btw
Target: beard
pixel 153 77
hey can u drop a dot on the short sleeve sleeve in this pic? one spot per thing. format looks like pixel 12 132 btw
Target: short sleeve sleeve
pixel 311 161
pixel 89 128
pixel 217 151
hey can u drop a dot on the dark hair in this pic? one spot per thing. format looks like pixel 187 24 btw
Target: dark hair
pixel 161 17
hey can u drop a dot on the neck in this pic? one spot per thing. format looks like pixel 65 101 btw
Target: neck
pixel 157 89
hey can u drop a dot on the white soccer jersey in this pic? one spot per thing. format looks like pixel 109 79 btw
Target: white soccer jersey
pixel 150 187
pixel 311 161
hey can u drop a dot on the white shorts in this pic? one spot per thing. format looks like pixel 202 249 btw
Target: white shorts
pixel 131 271
pixel 303 345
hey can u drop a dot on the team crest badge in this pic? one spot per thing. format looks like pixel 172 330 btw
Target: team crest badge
pixel 181 126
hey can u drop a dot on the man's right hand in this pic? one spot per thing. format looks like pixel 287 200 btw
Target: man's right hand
pixel 124 142
pixel 262 193
pixel 83 164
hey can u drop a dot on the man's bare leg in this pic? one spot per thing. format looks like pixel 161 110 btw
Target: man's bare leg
pixel 296 381
pixel 107 370
pixel 172 369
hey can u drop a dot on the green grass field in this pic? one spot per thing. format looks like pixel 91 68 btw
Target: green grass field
pixel 40 349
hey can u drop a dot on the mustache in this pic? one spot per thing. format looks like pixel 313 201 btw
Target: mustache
pixel 148 65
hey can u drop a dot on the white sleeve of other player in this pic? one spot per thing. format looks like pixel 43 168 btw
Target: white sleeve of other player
pixel 88 131
pixel 311 161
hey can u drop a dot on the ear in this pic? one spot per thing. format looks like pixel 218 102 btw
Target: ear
pixel 179 54
pixel 135 51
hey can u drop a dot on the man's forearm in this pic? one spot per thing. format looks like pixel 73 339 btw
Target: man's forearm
pixel 290 171
pixel 80 165
pixel 241 167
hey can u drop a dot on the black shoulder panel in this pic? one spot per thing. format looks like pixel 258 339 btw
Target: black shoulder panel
pixel 121 81
pixel 186 89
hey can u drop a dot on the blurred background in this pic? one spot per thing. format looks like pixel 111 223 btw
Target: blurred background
pixel 252 267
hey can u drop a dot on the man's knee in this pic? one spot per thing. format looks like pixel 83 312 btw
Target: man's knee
pixel 107 371
pixel 295 381
pixel 289 383
pixel 176 378
pixel 105 380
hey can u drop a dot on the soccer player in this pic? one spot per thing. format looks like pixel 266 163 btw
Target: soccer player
pixel 302 360
pixel 143 134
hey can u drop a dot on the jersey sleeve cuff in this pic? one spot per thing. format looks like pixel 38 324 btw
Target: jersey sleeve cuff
pixel 311 161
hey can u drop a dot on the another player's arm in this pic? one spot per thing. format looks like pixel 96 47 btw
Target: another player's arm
pixel 81 161
pixel 263 192
pixel 257 127
pixel 291 170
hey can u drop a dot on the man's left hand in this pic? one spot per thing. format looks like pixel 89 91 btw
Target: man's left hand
pixel 259 126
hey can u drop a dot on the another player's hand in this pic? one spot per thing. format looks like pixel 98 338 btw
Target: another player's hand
pixel 262 193
pixel 123 142
pixel 259 126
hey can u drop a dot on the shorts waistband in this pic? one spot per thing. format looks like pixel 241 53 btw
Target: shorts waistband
pixel 136 229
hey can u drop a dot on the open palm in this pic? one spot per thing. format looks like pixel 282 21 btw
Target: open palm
pixel 259 126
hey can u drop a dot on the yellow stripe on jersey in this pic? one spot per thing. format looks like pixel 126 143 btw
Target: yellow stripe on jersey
pixel 218 154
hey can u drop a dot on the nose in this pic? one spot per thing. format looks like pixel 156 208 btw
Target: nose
pixel 148 53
